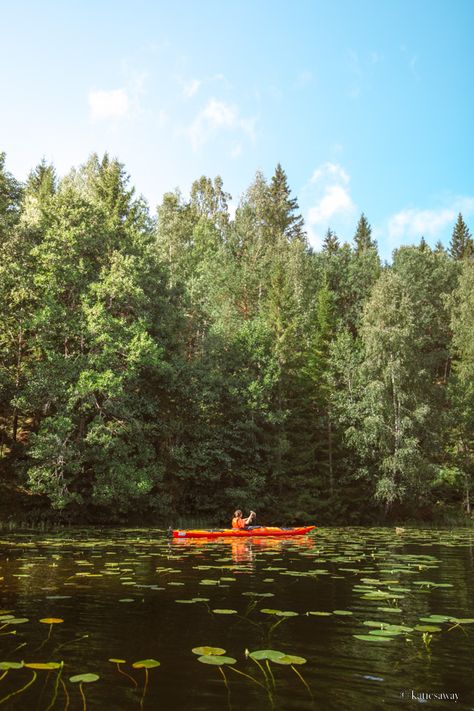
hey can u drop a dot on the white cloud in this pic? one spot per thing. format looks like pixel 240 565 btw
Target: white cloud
pixel 415 223
pixel 214 117
pixel 329 202
pixel 104 105
pixel 330 170
pixel 336 199
pixel 191 88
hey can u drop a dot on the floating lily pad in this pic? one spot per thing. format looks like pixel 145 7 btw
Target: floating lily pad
pixel 371 638
pixel 219 611
pixel 436 618
pixel 208 651
pixel 218 660
pixel 43 665
pixel 146 664
pixel 428 628
pixel 342 612
pixel 289 659
pixel 117 661
pixel 17 621
pixel 10 665
pixel 319 613
pixel 463 620
pixel 262 654
pixel 83 678
pixel 51 620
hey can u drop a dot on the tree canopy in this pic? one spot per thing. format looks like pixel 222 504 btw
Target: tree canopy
pixel 188 362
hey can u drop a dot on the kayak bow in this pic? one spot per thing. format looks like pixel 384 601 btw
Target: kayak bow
pixel 242 532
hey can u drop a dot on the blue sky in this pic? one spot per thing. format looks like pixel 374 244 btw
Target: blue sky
pixel 368 105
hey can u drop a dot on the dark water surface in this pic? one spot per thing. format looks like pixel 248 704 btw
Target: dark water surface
pixel 134 595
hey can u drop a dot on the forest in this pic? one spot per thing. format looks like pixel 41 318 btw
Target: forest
pixel 176 364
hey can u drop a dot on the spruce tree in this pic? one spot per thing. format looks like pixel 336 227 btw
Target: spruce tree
pixel 461 245
pixel 331 243
pixel 283 209
pixel 363 236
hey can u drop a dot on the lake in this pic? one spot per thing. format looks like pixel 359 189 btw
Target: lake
pixel 344 618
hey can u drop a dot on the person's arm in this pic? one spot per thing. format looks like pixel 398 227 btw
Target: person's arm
pixel 250 518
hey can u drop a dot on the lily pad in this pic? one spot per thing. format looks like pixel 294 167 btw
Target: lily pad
pixel 208 651
pixel 146 664
pixel 10 665
pixel 262 654
pixel 43 665
pixel 51 620
pixel 219 611
pixel 371 638
pixel 428 628
pixel 217 660
pixel 17 621
pixel 289 659
pixel 463 620
pixel 83 678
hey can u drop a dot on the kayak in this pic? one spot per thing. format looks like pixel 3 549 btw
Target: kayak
pixel 242 532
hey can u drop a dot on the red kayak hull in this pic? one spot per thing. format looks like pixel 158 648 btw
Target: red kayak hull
pixel 243 533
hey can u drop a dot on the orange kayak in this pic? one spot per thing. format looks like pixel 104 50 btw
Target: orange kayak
pixel 242 532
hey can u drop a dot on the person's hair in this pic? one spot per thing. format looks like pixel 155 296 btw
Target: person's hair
pixel 238 512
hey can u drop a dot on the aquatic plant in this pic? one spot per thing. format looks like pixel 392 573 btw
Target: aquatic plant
pixel 145 664
pixel 83 679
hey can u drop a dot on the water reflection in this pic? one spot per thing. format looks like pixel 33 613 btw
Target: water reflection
pixel 244 550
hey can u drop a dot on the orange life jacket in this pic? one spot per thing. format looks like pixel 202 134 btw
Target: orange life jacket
pixel 238 522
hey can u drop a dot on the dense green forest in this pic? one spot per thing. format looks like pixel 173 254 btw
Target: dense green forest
pixel 183 363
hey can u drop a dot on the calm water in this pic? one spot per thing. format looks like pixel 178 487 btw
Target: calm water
pixel 134 595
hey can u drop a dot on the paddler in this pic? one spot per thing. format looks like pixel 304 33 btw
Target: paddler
pixel 239 522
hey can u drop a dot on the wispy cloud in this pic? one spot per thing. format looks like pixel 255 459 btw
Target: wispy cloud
pixel 332 171
pixel 215 117
pixel 111 104
pixel 413 223
pixel 329 201
pixel 191 88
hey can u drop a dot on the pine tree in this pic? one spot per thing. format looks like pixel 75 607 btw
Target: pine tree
pixel 331 243
pixel 282 209
pixel 363 236
pixel 461 245
pixel 42 181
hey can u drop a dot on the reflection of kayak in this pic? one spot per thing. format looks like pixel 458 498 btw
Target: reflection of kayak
pixel 242 532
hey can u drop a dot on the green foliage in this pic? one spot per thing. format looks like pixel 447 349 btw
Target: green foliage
pixel 190 364
pixel 462 244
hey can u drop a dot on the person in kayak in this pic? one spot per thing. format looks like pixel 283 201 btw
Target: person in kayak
pixel 239 522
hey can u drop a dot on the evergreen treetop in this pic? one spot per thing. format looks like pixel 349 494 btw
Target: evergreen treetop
pixel 363 236
pixel 461 245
